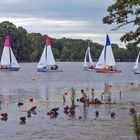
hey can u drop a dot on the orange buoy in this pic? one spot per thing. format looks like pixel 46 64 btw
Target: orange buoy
pixel 34 78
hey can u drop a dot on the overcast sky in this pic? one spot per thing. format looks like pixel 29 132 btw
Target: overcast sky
pixel 62 18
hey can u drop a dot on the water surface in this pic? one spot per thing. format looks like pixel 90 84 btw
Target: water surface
pixel 27 82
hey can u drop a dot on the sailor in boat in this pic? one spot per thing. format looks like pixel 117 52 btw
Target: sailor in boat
pixel 111 68
pixel 91 67
pixel 55 67
pixel 3 67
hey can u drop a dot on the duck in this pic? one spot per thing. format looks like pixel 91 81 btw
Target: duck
pixel 54 109
pixel 22 120
pixel 112 115
pixel 5 115
pixel 97 113
pixel 20 104
pixel 33 108
pixel 132 110
pixel 53 113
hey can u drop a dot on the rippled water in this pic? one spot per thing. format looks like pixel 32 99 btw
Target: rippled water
pixel 27 82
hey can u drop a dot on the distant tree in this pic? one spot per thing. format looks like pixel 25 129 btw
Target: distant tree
pixel 114 46
pixel 133 51
pixel 125 12
pixel 28 47
pixel 131 46
pixel 74 56
pixel 36 44
pixel 122 55
pixel 57 44
pixel 82 55
pixel 66 53
pixel 17 37
pixel 56 53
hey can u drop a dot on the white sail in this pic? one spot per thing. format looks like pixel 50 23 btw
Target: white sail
pixel 137 62
pixel 14 62
pixel 8 58
pixel 47 58
pixel 100 62
pixel 42 62
pixel 5 58
pixel 106 57
pixel 50 57
pixel 89 57
pixel 85 60
pixel 110 61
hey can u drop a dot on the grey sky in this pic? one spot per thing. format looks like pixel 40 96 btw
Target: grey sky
pixel 59 18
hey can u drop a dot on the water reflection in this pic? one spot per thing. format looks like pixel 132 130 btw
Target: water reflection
pixel 44 92
pixel 85 111
pixel 4 99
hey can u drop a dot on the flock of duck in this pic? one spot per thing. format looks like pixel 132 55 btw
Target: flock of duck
pixel 69 111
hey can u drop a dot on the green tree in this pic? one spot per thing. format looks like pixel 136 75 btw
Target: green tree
pixel 65 54
pixel 122 54
pixel 17 37
pixel 82 55
pixel 36 44
pixel 74 56
pixel 124 12
pixel 56 53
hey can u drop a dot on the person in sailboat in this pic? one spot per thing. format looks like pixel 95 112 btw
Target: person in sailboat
pixel 45 67
pixel 91 67
pixel 55 67
pixel 111 68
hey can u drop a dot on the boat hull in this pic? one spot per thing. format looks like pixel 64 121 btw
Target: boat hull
pixel 137 71
pixel 107 71
pixel 47 70
pixel 10 69
pixel 88 69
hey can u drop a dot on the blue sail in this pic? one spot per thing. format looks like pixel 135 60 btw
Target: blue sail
pixel 107 40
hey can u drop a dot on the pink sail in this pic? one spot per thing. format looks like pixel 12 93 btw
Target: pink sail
pixel 48 41
pixel 6 43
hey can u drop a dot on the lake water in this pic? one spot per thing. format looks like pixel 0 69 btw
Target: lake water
pixel 27 82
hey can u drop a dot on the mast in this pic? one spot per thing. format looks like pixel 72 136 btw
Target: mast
pixel 9 52
pixel 105 56
pixel 10 56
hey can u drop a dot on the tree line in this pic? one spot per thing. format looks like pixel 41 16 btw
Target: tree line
pixel 28 47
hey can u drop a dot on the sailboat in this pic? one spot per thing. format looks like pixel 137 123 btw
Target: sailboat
pixel 47 62
pixel 88 65
pixel 106 62
pixel 8 60
pixel 136 69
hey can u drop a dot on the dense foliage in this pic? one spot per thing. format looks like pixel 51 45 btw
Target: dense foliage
pixel 28 47
pixel 124 12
